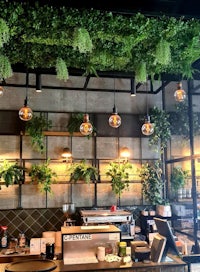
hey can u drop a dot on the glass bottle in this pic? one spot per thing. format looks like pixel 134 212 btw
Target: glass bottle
pixel 4 236
pixel 22 240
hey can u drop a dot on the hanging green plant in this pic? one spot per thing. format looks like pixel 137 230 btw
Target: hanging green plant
pixel 119 174
pixel 82 40
pixel 152 183
pixel 141 73
pixel 35 128
pixel 163 52
pixel 43 175
pixel 82 171
pixel 61 69
pixel 11 173
pixel 162 132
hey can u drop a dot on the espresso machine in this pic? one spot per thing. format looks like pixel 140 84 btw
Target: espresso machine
pixel 69 210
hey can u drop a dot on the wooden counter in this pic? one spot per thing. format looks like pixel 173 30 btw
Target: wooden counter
pixel 177 265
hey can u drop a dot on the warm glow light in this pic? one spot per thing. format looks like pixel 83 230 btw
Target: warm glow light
pixel 25 113
pixel 66 153
pixel 1 91
pixel 86 127
pixel 114 119
pixel 179 94
pixel 147 128
pixel 124 152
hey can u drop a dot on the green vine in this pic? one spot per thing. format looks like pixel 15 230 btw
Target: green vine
pixel 35 128
pixel 152 184
pixel 61 69
pixel 162 132
pixel 102 40
pixel 119 174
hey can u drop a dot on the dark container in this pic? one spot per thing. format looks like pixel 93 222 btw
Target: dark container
pixel 50 251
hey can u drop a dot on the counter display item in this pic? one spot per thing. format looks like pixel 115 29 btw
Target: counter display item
pixel 80 244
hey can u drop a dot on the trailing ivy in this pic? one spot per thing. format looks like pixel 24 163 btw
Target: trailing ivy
pixel 162 132
pixel 35 128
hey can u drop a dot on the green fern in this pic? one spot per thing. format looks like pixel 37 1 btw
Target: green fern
pixel 163 52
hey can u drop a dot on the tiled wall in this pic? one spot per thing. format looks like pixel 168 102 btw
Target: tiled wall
pixel 31 221
pixel 35 221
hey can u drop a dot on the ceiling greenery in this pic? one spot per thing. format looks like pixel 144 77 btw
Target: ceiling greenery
pixel 62 38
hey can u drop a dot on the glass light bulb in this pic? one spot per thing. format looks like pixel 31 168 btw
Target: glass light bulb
pixel 147 128
pixel 25 113
pixel 86 127
pixel 1 91
pixel 180 94
pixel 114 120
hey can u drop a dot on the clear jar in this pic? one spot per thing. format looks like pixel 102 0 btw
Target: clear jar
pixel 122 249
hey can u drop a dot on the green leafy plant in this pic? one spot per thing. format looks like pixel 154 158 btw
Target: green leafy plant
pixel 35 128
pixel 82 171
pixel 103 40
pixel 82 41
pixel 178 178
pixel 119 174
pixel 152 183
pixel 43 175
pixel 162 132
pixel 74 123
pixel 11 173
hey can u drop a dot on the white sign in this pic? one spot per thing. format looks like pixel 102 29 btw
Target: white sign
pixel 77 237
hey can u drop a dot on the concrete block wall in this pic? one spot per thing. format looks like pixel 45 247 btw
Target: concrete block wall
pixel 59 104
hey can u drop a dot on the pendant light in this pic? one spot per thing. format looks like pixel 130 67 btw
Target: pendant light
pixel 114 120
pixel 147 128
pixel 86 127
pixel 179 94
pixel 38 88
pixel 26 113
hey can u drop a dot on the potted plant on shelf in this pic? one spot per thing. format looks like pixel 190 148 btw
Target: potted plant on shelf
pixel 119 174
pixel 35 128
pixel 82 171
pixel 43 175
pixel 11 173
pixel 178 179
